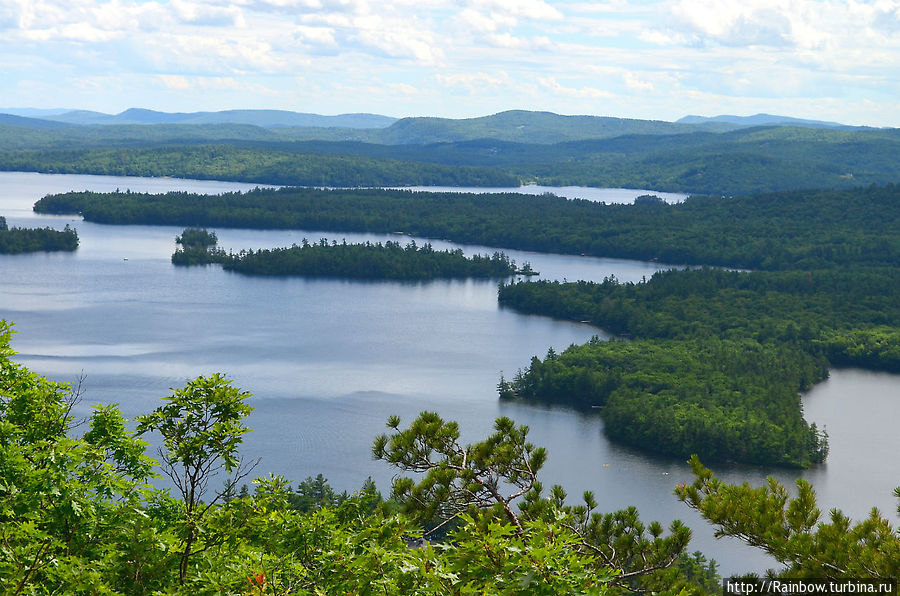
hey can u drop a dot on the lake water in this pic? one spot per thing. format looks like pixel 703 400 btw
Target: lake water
pixel 597 195
pixel 328 360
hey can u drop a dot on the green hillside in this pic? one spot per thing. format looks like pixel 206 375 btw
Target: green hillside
pixel 509 148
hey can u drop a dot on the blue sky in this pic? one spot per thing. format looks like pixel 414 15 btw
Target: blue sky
pixel 828 60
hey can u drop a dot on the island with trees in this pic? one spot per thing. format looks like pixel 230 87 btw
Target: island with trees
pixel 372 261
pixel 367 261
pixel 198 247
pixel 23 240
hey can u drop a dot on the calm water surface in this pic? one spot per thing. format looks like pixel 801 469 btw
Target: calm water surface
pixel 605 195
pixel 328 361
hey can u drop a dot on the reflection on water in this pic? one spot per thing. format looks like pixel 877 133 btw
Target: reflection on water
pixel 329 360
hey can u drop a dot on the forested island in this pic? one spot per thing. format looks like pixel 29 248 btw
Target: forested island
pixel 198 247
pixel 778 231
pixel 371 261
pixel 22 240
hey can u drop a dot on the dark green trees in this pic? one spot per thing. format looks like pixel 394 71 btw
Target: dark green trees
pixel 496 481
pixel 370 261
pixel 793 529
pixel 22 240
pixel 198 247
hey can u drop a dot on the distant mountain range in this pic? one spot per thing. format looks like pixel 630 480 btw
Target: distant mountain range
pixel 762 120
pixel 262 118
pixel 518 126
pixel 723 155
pixel 27 122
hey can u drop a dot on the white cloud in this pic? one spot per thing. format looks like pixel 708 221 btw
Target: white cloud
pixel 183 83
pixel 207 15
pixel 486 22
pixel 395 39
pixel 528 9
pixel 574 55
pixel 474 82
pixel 323 36
pixel 554 86
pixel 635 83
pixel 734 22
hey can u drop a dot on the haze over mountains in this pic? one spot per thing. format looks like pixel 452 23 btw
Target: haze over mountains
pixel 763 120
pixel 264 118
pixel 514 125
pixel 726 155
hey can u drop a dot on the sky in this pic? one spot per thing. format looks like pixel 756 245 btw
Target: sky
pixel 661 60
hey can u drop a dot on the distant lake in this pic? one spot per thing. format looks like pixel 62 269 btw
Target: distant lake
pixel 329 360
pixel 588 193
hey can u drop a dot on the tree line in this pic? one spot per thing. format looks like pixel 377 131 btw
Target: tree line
pixel 726 400
pixel 849 315
pixel 390 260
pixel 247 164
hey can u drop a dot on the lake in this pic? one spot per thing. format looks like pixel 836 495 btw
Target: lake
pixel 597 195
pixel 328 360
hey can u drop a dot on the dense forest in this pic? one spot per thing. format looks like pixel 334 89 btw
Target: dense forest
pixel 718 357
pixel 836 312
pixel 788 230
pixel 78 515
pixel 224 162
pixel 20 240
pixel 198 247
pixel 726 400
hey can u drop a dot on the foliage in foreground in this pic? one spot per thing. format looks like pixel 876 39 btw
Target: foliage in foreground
pixel 793 529
pixel 77 514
